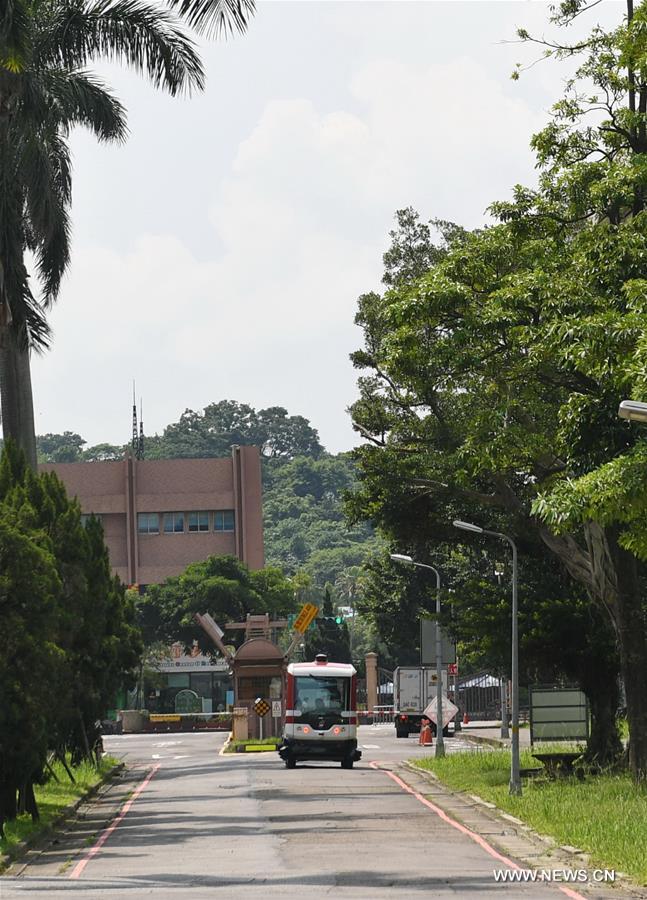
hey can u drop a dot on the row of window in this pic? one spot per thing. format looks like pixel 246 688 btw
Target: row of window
pixel 179 522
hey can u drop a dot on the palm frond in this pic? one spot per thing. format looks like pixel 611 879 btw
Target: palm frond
pixel 219 17
pixel 45 173
pixel 14 35
pixel 133 32
pixel 81 98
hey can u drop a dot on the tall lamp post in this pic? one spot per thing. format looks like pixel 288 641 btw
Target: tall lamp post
pixel 440 741
pixel 515 776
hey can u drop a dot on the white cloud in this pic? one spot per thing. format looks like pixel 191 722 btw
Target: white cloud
pixel 299 221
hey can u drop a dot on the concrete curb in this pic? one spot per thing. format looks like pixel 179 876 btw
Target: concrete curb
pixel 571 857
pixel 19 849
pixel 481 739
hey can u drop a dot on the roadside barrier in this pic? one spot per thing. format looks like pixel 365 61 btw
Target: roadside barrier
pixel 382 714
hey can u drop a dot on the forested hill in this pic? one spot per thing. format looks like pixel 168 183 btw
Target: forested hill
pixel 302 484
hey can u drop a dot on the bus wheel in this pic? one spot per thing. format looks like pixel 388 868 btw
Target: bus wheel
pixel 290 763
pixel 347 763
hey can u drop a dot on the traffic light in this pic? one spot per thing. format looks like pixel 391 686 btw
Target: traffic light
pixel 339 619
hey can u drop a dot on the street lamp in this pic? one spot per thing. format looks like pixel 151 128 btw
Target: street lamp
pixel 633 410
pixel 515 777
pixel 440 741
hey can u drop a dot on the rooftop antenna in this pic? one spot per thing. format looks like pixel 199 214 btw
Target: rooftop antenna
pixel 135 439
pixel 140 443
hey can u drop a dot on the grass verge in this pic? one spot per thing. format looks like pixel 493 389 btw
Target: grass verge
pixel 53 798
pixel 605 815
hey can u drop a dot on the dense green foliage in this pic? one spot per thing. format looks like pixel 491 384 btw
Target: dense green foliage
pixel 304 520
pixel 219 426
pixel 70 638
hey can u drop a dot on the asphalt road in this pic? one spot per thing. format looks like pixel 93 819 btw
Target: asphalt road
pixel 197 824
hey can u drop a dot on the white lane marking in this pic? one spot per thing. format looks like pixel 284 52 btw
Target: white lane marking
pixel 167 743
pixel 158 756
pixel 370 746
pixel 185 756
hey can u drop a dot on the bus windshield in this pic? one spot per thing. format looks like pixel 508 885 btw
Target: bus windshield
pixel 321 696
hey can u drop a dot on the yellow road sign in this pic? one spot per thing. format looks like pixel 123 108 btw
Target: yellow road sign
pixel 305 617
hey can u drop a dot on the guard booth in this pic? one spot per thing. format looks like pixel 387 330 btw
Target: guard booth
pixel 259 671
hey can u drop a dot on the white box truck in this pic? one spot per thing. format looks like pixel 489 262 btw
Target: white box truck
pixel 414 687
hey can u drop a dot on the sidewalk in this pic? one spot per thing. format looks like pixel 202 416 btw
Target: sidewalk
pixel 490 732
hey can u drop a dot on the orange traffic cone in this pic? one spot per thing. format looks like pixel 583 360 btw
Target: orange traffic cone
pixel 466 719
pixel 425 733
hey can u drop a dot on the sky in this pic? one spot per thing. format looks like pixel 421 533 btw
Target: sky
pixel 220 252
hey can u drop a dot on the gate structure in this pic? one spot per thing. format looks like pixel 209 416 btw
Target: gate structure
pixel 479 695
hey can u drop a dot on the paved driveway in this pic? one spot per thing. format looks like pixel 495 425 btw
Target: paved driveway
pixel 202 825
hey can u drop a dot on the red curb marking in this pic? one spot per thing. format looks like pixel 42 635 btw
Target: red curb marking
pixel 105 834
pixel 471 834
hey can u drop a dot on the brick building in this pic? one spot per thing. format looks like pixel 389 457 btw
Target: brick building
pixel 160 515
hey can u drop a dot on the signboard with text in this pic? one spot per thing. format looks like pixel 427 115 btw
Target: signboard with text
pixel 306 615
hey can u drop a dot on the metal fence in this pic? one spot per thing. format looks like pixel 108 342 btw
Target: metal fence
pixel 479 695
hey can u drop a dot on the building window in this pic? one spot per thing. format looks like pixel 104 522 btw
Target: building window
pixel 148 523
pixel 173 523
pixel 198 521
pixel 223 520
pixel 85 518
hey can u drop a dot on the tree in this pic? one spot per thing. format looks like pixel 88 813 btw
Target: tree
pixel 563 638
pixel 66 447
pixel 412 251
pixel 30 660
pixel 304 520
pixel 213 431
pixel 219 16
pixel 476 402
pixel 222 586
pixel 45 90
pixel 72 639
pixel 102 453
pixel 528 336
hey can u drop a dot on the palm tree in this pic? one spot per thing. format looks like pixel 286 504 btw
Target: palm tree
pixel 46 90
pixel 218 16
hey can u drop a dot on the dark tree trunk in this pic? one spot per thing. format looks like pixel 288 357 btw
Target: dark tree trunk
pixel 630 623
pixel 610 574
pixel 16 395
pixel 30 802
pixel 61 758
pixel 8 804
pixel 599 679
pixel 600 684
